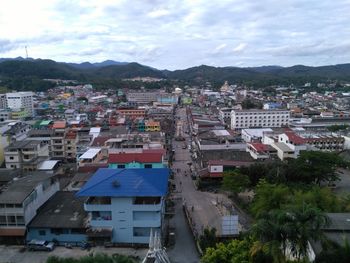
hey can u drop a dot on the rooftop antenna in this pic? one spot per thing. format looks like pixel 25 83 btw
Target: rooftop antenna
pixel 26 52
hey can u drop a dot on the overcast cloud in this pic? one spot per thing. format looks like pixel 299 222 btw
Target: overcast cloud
pixel 176 34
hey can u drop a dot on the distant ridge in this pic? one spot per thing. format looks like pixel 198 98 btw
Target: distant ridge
pixel 12 68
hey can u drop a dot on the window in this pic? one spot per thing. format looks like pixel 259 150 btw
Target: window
pixel 42 232
pixel 11 158
pixel 148 165
pixel 11 220
pixel 20 220
pixel 121 166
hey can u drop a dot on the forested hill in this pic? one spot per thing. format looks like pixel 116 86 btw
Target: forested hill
pixel 28 74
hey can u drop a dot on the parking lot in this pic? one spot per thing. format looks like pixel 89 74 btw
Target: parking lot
pixel 15 254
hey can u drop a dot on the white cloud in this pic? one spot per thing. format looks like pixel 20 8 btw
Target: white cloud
pixel 158 13
pixel 179 33
pixel 240 47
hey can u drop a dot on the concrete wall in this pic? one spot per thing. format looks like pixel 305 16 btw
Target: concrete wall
pixel 39 196
pixel 67 237
pixel 128 219
pixel 136 165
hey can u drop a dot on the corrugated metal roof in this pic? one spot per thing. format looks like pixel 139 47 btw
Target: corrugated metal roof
pixel 130 182
pixel 91 153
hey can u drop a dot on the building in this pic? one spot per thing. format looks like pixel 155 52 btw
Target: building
pixel 26 155
pixel 132 113
pixel 57 140
pixel 241 119
pixel 142 97
pixel 254 135
pixel 19 202
pixel 61 218
pixel 91 156
pixel 136 160
pixel 151 126
pixel 125 204
pixel 17 101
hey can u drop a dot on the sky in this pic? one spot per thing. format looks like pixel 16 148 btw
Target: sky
pixel 175 34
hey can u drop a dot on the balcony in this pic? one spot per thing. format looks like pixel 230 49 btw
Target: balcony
pixel 98 204
pixel 147 223
pixel 156 207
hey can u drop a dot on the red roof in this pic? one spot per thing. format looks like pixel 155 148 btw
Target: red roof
pixel 294 138
pixel 135 157
pixel 260 147
pixel 59 125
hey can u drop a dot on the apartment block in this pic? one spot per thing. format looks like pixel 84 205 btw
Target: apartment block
pixel 125 204
pixel 19 203
pixel 26 155
pixel 241 119
pixel 17 101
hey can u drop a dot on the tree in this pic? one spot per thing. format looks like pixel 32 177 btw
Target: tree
pixel 307 222
pixel 340 253
pixel 282 230
pixel 316 167
pixel 236 251
pixel 208 238
pixel 235 182
pixel 269 197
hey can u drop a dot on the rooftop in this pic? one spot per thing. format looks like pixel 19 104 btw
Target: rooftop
pixel 59 125
pixel 63 209
pixel 127 183
pixel 18 190
pixel 91 153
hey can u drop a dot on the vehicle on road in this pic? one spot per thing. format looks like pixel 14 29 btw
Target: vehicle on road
pixel 40 245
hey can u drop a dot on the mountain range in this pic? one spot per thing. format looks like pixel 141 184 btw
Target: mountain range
pixel 12 68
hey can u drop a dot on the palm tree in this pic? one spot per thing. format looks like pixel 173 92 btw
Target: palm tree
pixel 281 230
pixel 307 222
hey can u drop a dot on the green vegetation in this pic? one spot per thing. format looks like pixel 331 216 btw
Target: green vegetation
pixel 97 258
pixel 335 128
pixel 235 182
pixel 28 75
pixel 289 210
pixel 208 238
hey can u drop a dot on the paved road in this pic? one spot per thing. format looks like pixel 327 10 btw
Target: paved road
pixel 184 250
pixel 205 208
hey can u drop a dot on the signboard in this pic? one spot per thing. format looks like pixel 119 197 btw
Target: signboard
pixel 229 225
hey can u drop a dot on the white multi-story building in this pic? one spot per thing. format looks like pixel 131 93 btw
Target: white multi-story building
pixel 241 119
pixel 18 101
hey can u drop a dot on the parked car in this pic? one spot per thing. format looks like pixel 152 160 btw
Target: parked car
pixel 40 245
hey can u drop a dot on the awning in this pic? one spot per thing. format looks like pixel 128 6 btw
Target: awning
pixel 12 232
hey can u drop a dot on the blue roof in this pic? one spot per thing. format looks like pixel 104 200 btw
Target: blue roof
pixel 127 183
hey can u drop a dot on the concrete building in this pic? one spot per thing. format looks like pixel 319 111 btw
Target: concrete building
pixel 125 204
pixel 20 201
pixel 17 101
pixel 26 155
pixel 61 218
pixel 57 140
pixel 136 160
pixel 241 119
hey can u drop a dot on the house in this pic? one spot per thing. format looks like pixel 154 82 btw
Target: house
pixel 260 151
pixel 60 219
pixel 125 204
pixel 26 155
pixel 91 156
pixel 19 202
pixel 151 126
pixel 135 160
